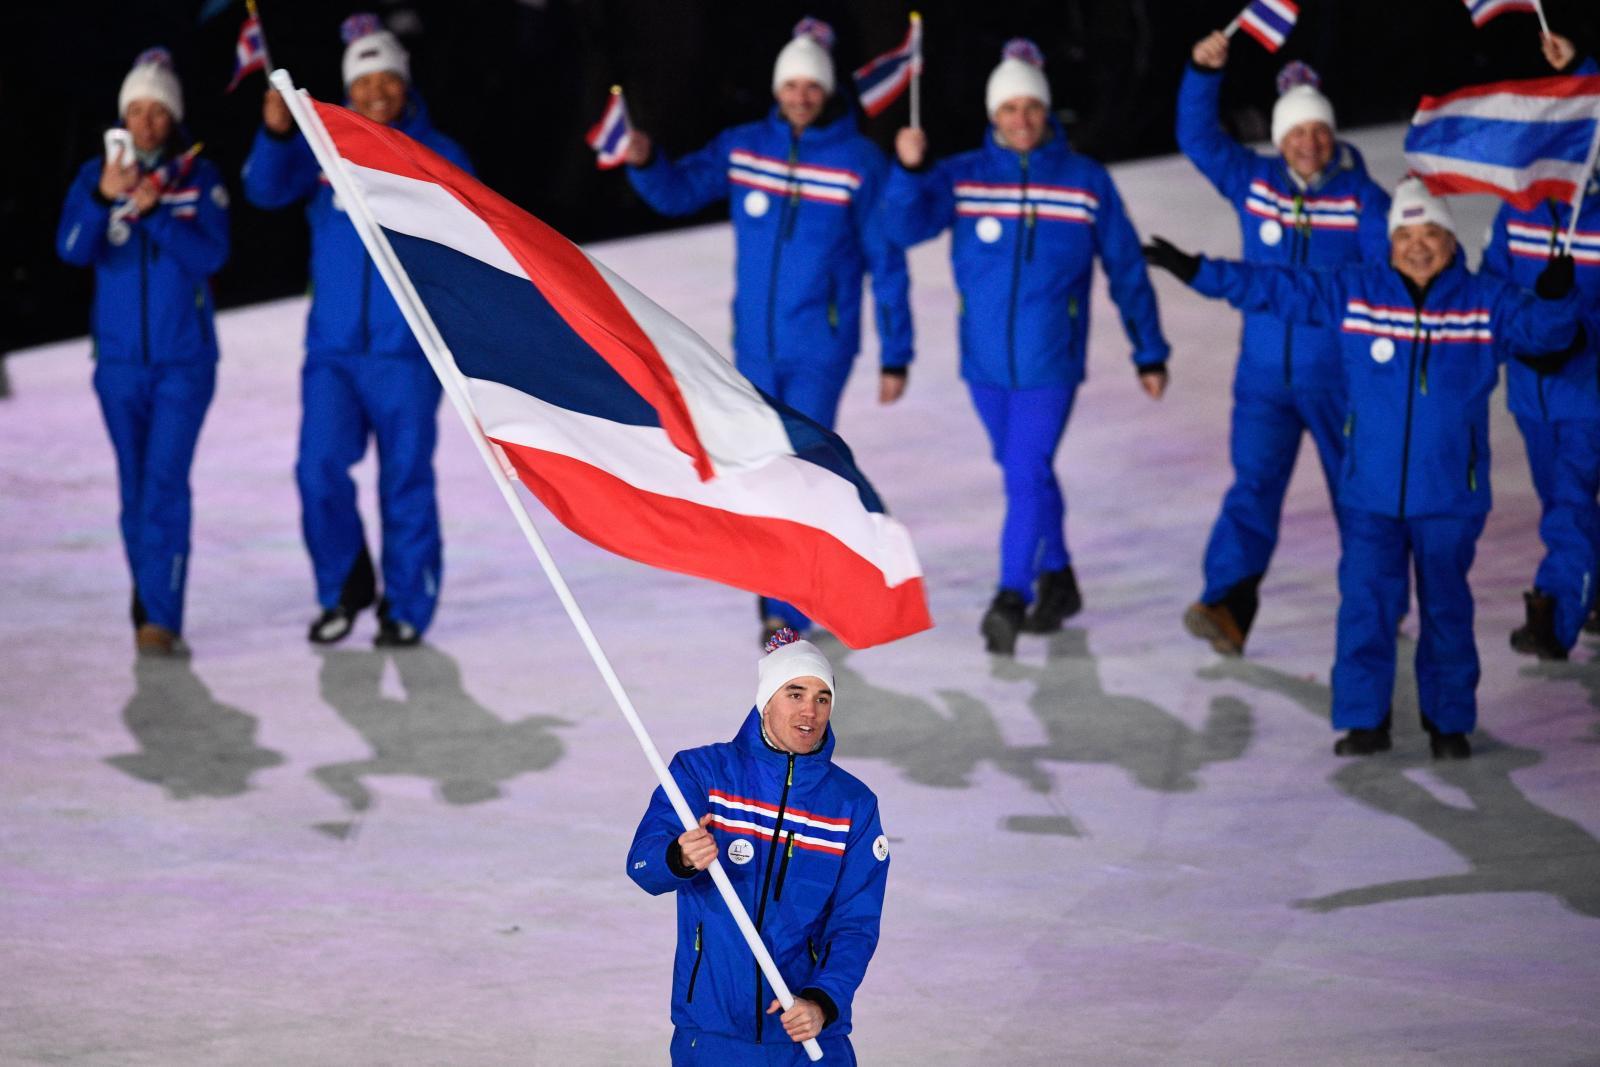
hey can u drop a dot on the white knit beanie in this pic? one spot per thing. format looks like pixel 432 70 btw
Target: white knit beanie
pixel 788 657
pixel 1413 205
pixel 152 78
pixel 1020 73
pixel 806 56
pixel 1301 103
pixel 370 48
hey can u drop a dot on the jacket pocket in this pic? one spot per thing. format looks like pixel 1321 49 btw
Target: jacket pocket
pixel 1350 442
pixel 1472 459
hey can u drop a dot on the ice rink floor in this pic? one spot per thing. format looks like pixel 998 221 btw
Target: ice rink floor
pixel 1115 849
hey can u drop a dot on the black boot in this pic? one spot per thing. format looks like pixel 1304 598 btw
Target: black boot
pixel 1002 622
pixel 1537 636
pixel 1056 600
pixel 1446 746
pixel 1364 741
pixel 392 633
pixel 360 590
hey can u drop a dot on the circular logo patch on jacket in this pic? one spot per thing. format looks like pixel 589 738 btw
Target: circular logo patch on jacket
pixel 1382 350
pixel 756 203
pixel 741 851
pixel 219 196
pixel 1271 232
pixel 119 232
pixel 880 848
pixel 988 229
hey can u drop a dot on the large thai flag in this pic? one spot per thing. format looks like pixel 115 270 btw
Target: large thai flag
pixel 619 418
pixel 1524 141
pixel 1484 10
pixel 1269 21
pixel 880 82
pixel 249 52
pixel 609 136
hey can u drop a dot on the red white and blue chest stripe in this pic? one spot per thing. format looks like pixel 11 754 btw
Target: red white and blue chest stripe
pixel 1295 209
pixel 1056 203
pixel 736 814
pixel 1456 325
pixel 808 181
pixel 1532 241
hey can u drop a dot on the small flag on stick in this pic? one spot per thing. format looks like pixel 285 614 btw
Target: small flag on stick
pixel 881 81
pixel 250 51
pixel 609 137
pixel 1268 21
pixel 1484 10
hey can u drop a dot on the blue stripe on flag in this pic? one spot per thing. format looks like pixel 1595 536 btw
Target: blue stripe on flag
pixel 1503 142
pixel 1272 18
pixel 885 73
pixel 507 332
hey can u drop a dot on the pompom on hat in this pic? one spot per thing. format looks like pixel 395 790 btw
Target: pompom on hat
pixel 806 56
pixel 1413 205
pixel 789 657
pixel 1020 73
pixel 152 78
pixel 369 48
pixel 1300 100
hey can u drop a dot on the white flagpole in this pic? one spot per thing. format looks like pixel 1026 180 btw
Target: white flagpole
pixel 437 353
pixel 1583 184
pixel 1538 7
pixel 916 73
pixel 1233 26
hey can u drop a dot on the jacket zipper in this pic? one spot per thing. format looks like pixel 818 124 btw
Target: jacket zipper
pixel 1555 230
pixel 791 207
pixel 1411 395
pixel 1350 438
pixel 698 956
pixel 783 868
pixel 144 297
pixel 1472 460
pixel 1016 277
pixel 766 880
pixel 1297 256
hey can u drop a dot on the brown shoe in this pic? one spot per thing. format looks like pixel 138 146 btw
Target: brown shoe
pixel 153 640
pixel 1215 623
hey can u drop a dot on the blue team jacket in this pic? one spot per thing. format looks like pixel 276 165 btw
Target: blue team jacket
pixel 1419 378
pixel 1520 243
pixel 1342 218
pixel 805 233
pixel 351 309
pixel 1026 228
pixel 802 844
pixel 152 297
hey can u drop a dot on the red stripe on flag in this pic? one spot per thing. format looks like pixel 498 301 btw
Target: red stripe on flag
pixel 1266 42
pixel 1526 199
pixel 563 273
pixel 804 565
pixel 1554 88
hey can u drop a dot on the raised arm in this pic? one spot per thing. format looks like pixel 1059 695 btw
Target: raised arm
pixel 682 186
pixel 1309 296
pixel 81 234
pixel 1225 162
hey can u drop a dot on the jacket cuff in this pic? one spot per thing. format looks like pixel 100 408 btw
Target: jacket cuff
pixel 1157 367
pixel 286 135
pixel 896 372
pixel 830 1010
pixel 675 862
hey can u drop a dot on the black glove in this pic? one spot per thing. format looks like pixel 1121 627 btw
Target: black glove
pixel 1164 254
pixel 1555 281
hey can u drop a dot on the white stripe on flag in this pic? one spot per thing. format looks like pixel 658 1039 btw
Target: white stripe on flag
pixel 787 488
pixel 1514 107
pixel 1501 177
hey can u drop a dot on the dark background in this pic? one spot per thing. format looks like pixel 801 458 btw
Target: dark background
pixel 518 82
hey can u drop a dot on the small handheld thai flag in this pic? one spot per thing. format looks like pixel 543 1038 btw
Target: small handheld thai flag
pixel 880 82
pixel 1269 21
pixel 1523 141
pixel 609 137
pixel 250 52
pixel 1484 10
pixel 632 430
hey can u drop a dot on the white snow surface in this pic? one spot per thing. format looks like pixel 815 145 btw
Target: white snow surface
pixel 1115 849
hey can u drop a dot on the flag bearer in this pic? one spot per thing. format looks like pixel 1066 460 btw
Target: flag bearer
pixel 801 842
pixel 365 376
pixel 1310 205
pixel 1028 217
pixel 154 225
pixel 1557 408
pixel 1421 341
pixel 802 185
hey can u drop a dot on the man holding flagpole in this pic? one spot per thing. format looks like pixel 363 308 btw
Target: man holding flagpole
pixel 802 185
pixel 1309 206
pixel 802 842
pixel 364 376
